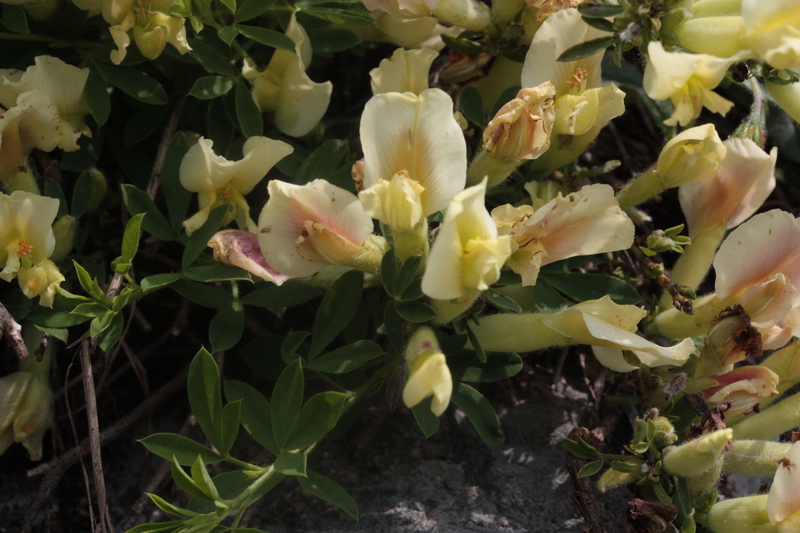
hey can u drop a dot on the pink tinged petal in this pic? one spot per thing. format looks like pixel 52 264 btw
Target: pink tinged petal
pixel 241 249
pixel 417 134
pixel 744 387
pixel 767 244
pixel 745 178
pixel 784 496
pixel 284 235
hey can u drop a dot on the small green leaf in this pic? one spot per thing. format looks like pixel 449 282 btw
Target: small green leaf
pixel 389 269
pixel 247 112
pixel 198 241
pixel 97 98
pixel 268 37
pixel 394 327
pixel 322 161
pixel 274 297
pixel 205 295
pixel 90 309
pixel 100 323
pixel 185 451
pixel 137 201
pixel 466 366
pixel 161 527
pixel 230 4
pixel 134 83
pixel 579 449
pixel 582 287
pixel 217 272
pixel 579 51
pixel 479 411
pixel 480 353
pixel 204 395
pixel 463 45
pixel 601 11
pixel 255 413
pixel 158 281
pixel 661 494
pixel 209 87
pixel 111 334
pixel 231 416
pixel 336 15
pixel 408 272
pixel 186 483
pixel 168 508
pixel 336 310
pixel 347 358
pixel 287 399
pixel 426 420
pixel 291 464
pixel 227 34
pixel 415 312
pixel 600 23
pixel 210 57
pixel 590 469
pixel 130 244
pixel 175 194
pixel 332 41
pixel 629 467
pixel 292 343
pixel 203 480
pixel 14 18
pixel 317 417
pixel 330 491
pixel 471 103
pixel 89 284
pixel 250 9
pixel 501 301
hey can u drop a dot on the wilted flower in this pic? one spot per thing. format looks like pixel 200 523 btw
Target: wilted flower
pixel 303 229
pixel 218 181
pixel 405 71
pixel 152 28
pixel 428 373
pixel 24 411
pixel 521 128
pixel 241 249
pixel 581 223
pixel 744 387
pixel 285 89
pixel 26 243
pixel 687 80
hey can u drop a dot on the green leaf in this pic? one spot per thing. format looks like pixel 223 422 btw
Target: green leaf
pixel 209 87
pixel 111 334
pixel 227 34
pixel 426 420
pixel 600 23
pixel 205 295
pixel 175 194
pixel 590 469
pixel 287 398
pixel 255 413
pixel 480 353
pixel 230 4
pixel 247 112
pixel 600 11
pixel 407 274
pixel 337 309
pixel 274 297
pixel 89 284
pixel 582 287
pixel 130 244
pixel 330 491
pixel 53 190
pixel 389 264
pixel 144 123
pixel 268 37
pixel 226 328
pixel 347 358
pixel 291 344
pixel 625 466
pixel 61 334
pixel 580 449
pixel 158 281
pixel 134 83
pixel 336 15
pixel 501 301
pixel 505 97
pixel 216 272
pixel 185 482
pixel 137 201
pixel 14 18
pixel 479 411
pixel 100 323
pixel 332 41
pixel 231 416
pixel 413 291
pixel 394 327
pixel 291 464
pixel 470 102
pixel 161 527
pixel 579 51
pixel 97 98
pixel 463 45
pixel 546 297
pixel 82 193
pixel 317 417
pixel 204 395
pixel 210 58
pixel 42 316
pixel 415 312
pixel 185 451
pixel 322 161
pixel 203 480
pixel 250 9
pixel 198 241
pixel 90 309
pixel 168 508
pixel 466 366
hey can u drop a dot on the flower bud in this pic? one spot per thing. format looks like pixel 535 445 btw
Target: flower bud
pixel 241 249
pixel 698 455
pixel 24 411
pixel 64 232
pixel 690 156
pixel 612 478
pixel 428 374
pixel 99 190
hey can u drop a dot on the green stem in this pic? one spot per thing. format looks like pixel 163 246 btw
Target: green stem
pixel 518 333
pixel 449 310
pixel 410 243
pixel 675 324
pixel 641 188
pixel 486 165
pixel 771 422
pixel 695 262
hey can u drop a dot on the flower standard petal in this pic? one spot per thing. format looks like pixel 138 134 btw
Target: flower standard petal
pixel 405 71
pixel 784 498
pixel 417 134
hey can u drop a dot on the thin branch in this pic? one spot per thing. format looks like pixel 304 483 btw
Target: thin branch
pixel 13 332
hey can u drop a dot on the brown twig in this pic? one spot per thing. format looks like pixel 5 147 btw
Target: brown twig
pixel 584 495
pixel 13 332
pixel 55 469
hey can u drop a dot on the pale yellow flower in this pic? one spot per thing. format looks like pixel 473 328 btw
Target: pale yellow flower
pixel 405 71
pixel 152 29
pixel 772 31
pixel 428 373
pixel 24 411
pixel 783 503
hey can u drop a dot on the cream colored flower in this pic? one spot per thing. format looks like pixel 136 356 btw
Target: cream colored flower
pixel 218 181
pixel 783 503
pixel 468 253
pixel 54 92
pixel 396 202
pixel 416 134
pixel 692 155
pixel 113 10
pixel 744 387
pixel 26 243
pixel 744 179
pixel 303 229
pixel 152 29
pixel 772 31
pixel 405 71
pixel 468 14
pixel 586 222
pixel 285 89
pixel 428 373
pixel 788 97
pixel 687 80
pixel 24 412
pixel 545 8
pixel 521 128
